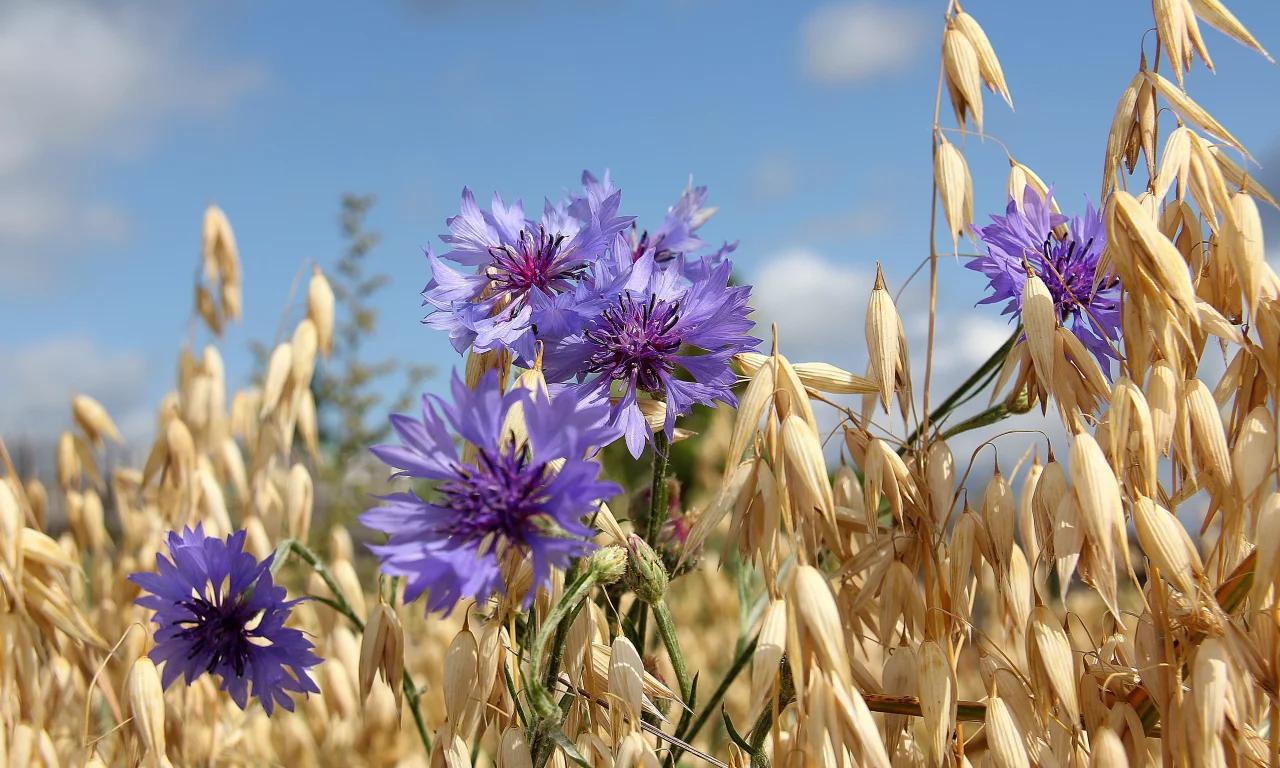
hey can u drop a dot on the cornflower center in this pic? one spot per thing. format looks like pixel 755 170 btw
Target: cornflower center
pixel 221 626
pixel 635 341
pixel 498 498
pixel 1069 272
pixel 535 261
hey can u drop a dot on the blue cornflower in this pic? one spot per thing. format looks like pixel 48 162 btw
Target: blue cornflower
pixel 218 611
pixel 675 238
pixel 511 501
pixel 522 266
pixel 646 316
pixel 1083 298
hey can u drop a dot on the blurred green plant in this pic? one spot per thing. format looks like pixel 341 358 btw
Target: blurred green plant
pixel 350 389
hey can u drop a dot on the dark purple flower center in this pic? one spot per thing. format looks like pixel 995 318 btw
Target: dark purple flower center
pixel 220 627
pixel 642 242
pixel 1069 270
pixel 497 498
pixel 635 342
pixel 539 262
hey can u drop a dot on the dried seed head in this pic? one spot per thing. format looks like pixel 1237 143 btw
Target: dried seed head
pixel 955 188
pixel 1049 653
pixel 304 344
pixel 1207 431
pixel 320 310
pixel 1267 566
pixel 1167 544
pixel 999 515
pixel 770 644
pixel 1005 740
pixel 882 338
pixel 942 481
pixel 93 420
pixel 626 683
pixel 145 699
pixel 936 680
pixel 988 64
pixel 1210 684
pixel 299 502
pixel 1254 454
pixel 279 368
pixel 68 461
pixel 1106 750
pixel 818 617
pixel 382 654
pixel 964 76
pixel 513 752
pixel 460 675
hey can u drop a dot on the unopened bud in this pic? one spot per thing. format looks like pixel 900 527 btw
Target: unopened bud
pixel 646 575
pixel 608 564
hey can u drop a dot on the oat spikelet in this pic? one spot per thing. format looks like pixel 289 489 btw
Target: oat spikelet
pixel 382 654
pixel 951 175
pixel 1167 544
pixel 145 699
pixel 320 304
pixel 94 421
pixel 1216 15
pixel 882 338
pixel 988 64
pixel 937 699
pixel 964 76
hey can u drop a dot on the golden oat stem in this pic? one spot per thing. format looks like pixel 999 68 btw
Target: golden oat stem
pixel 923 428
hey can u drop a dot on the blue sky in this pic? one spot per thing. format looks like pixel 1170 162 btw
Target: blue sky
pixel 807 121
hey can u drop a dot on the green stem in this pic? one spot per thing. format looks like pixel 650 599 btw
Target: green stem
pixel 739 664
pixel 657 516
pixel 343 606
pixel 667 628
pixel 996 413
pixel 558 622
pixel 992 363
pixel 658 498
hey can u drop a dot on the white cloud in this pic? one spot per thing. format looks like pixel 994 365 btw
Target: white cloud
pixel 40 380
pixel 820 308
pixel 816 303
pixel 854 42
pixel 82 83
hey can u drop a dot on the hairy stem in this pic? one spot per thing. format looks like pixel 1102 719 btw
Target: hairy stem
pixel 667 628
pixel 658 499
pixel 343 606
pixel 739 664
pixel 554 630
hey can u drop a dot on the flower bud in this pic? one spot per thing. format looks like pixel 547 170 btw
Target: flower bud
pixel 646 575
pixel 608 564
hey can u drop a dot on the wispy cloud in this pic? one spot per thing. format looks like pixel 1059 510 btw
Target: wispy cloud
pixel 40 380
pixel 855 42
pixel 83 83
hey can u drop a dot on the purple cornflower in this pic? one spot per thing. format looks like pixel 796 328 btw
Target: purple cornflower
pixel 1068 266
pixel 675 238
pixel 524 266
pixel 220 612
pixel 647 316
pixel 510 501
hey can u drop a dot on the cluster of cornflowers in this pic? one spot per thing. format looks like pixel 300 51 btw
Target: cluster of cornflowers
pixel 610 315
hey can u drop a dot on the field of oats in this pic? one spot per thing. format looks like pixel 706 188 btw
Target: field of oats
pixel 576 562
